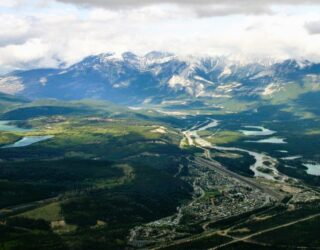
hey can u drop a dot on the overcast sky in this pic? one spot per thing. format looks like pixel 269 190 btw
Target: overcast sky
pixel 47 33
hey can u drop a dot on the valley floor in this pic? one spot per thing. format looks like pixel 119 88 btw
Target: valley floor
pixel 128 180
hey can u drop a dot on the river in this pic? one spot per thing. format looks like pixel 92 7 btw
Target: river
pixel 272 173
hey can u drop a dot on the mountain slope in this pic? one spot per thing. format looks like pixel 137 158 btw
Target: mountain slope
pixel 8 102
pixel 157 76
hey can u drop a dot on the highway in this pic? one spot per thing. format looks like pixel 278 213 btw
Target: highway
pixel 265 231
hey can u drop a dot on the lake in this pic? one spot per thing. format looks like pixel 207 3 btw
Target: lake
pixel 7 127
pixel 28 140
pixel 257 131
pixel 271 140
pixel 313 169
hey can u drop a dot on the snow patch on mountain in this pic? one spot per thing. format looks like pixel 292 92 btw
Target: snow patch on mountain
pixel 173 102
pixel 193 88
pixel 11 85
pixel 157 76
pixel 271 89
pixel 124 84
pixel 156 57
pixel 178 81
pixel 266 73
pixel 229 87
pixel 201 79
pixel 43 81
pixel 226 72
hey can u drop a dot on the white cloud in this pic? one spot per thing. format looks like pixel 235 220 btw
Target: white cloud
pixel 43 36
pixel 7 3
pixel 313 27
pixel 14 30
pixel 201 7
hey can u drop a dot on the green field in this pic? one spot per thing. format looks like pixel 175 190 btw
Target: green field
pixel 108 169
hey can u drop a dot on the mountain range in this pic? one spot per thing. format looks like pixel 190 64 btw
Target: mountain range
pixel 160 76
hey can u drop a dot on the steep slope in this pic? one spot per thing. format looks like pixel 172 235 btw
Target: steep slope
pixel 157 76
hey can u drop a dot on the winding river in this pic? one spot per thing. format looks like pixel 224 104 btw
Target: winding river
pixel 270 173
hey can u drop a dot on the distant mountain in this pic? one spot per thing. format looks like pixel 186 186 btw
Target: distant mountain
pixel 8 101
pixel 158 76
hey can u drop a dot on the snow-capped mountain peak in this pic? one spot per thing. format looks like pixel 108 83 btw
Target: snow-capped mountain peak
pixel 128 77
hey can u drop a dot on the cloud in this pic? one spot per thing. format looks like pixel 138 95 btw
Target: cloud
pixel 15 30
pixel 15 3
pixel 313 27
pixel 46 36
pixel 202 8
